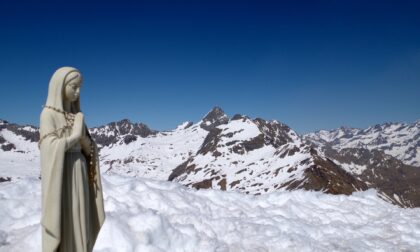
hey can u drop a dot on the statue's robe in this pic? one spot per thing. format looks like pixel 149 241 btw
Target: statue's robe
pixel 62 167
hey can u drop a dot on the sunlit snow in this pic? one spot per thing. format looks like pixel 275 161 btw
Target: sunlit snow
pixel 150 215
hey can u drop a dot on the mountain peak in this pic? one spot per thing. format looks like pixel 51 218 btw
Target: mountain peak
pixel 216 112
pixel 125 120
pixel 214 118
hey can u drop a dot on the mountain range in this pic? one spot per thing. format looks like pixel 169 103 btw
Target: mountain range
pixel 252 156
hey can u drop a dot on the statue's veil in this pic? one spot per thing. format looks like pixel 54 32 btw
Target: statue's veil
pixel 56 89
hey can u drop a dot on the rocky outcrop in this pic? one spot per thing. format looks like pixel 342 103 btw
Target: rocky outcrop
pixel 213 119
pixel 123 130
pixel 397 182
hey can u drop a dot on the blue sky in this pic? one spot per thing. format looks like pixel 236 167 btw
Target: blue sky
pixel 312 65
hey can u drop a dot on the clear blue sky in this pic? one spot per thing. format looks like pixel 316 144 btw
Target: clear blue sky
pixel 312 65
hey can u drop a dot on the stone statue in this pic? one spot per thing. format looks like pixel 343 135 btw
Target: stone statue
pixel 72 201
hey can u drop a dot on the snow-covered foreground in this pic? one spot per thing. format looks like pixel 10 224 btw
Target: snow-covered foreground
pixel 150 215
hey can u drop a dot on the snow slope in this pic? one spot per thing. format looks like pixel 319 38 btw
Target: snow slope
pixel 22 159
pixel 150 215
pixel 153 156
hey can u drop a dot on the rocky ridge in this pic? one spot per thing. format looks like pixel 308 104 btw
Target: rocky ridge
pixel 400 140
pixel 252 156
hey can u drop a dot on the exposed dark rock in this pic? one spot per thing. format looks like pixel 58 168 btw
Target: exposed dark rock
pixel 184 168
pixel 379 140
pixel 232 184
pixel 205 184
pixel 326 176
pixel 275 134
pixel 222 184
pixel 255 143
pixel 128 160
pixel 6 179
pixel 210 142
pixel 383 172
pixel 231 143
pixel 189 124
pixel 8 147
pixel 239 117
pixel 249 145
pixel 214 118
pixel 104 140
pixel 403 182
pixel 288 152
pixel 129 138
pixel 242 170
pixel 124 128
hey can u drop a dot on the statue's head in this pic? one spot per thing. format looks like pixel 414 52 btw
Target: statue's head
pixel 72 85
pixel 65 85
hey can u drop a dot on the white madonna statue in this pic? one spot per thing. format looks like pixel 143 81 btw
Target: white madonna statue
pixel 72 201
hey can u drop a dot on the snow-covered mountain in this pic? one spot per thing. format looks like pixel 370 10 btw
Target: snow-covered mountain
pixel 252 156
pixel 385 156
pixel 257 157
pixel 240 154
pixel 122 130
pixel 400 140
pixel 154 156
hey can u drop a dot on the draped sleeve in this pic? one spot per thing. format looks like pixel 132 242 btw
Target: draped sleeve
pixel 52 148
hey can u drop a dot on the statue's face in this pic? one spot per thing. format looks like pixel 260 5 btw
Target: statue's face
pixel 72 90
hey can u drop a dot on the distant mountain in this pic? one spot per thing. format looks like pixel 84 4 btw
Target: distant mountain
pixel 252 156
pixel 122 130
pixel 384 156
pixel 399 140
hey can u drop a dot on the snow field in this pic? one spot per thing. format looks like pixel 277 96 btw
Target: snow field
pixel 150 215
